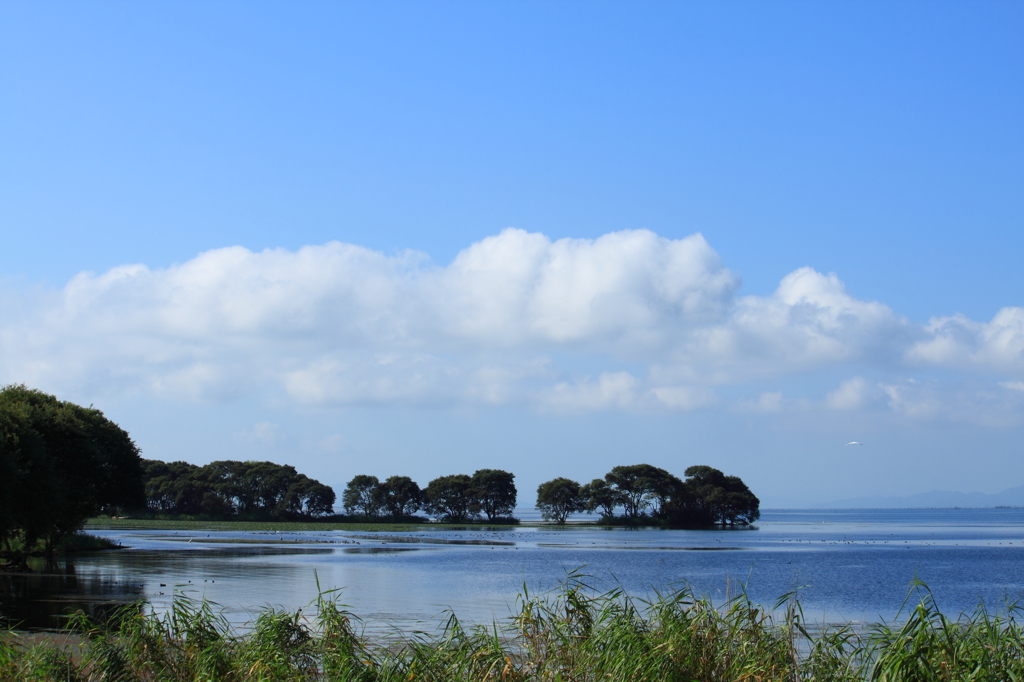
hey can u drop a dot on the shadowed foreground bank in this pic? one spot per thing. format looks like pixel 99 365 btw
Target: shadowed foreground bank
pixel 572 634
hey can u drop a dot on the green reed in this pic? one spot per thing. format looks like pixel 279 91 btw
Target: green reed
pixel 573 634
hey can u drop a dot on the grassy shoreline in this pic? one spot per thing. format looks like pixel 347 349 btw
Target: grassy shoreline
pixel 571 634
pixel 15 553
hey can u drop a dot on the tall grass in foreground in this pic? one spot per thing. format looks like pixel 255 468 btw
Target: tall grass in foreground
pixel 570 635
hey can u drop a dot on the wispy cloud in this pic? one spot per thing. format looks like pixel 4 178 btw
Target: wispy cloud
pixel 263 433
pixel 850 395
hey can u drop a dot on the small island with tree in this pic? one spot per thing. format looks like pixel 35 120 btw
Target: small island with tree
pixel 230 490
pixel 456 498
pixel 648 495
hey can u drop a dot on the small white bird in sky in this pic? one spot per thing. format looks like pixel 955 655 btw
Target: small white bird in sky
pixel 854 443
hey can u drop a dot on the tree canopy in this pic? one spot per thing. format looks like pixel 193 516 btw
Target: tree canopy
pixel 60 463
pixel 558 498
pixel 640 486
pixel 456 498
pixel 709 497
pixel 599 496
pixel 230 489
pixel 648 494
pixel 400 496
pixel 495 492
pixel 362 496
pixel 451 498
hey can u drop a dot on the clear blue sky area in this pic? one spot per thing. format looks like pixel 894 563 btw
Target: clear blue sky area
pixel 879 141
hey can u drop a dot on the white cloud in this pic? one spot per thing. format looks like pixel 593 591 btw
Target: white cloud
pixel 957 341
pixel 626 290
pixel 913 401
pixel 510 321
pixel 624 391
pixel 612 389
pixel 850 395
pixel 967 402
pixel 810 321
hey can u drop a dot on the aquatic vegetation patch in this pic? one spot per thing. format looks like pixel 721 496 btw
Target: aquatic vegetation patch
pixel 14 551
pixel 570 634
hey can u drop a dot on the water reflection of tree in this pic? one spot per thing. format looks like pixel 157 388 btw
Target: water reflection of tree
pixel 44 597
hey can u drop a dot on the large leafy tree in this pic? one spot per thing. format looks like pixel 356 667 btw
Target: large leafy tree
pixel 64 463
pixel 451 498
pixel 361 496
pixel 558 498
pixel 400 496
pixel 306 497
pixel 599 496
pixel 495 492
pixel 709 497
pixel 273 481
pixel 318 499
pixel 221 489
pixel 641 486
pixel 170 488
pixel 25 472
pixel 741 507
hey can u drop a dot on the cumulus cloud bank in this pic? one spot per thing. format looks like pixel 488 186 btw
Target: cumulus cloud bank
pixel 628 321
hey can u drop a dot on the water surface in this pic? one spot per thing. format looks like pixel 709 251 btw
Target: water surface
pixel 848 564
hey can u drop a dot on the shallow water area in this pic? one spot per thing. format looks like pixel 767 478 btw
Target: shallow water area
pixel 850 565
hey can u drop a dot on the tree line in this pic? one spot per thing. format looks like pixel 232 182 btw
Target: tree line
pixel 645 493
pixel 641 492
pixel 230 489
pixel 60 463
pixel 454 499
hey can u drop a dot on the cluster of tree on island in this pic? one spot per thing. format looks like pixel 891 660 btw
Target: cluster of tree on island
pixel 455 499
pixel 61 463
pixel 644 493
pixel 229 489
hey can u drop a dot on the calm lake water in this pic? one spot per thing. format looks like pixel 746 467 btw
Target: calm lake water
pixel 851 565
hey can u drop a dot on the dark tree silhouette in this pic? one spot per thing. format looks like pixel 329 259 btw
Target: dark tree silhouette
pixel 61 463
pixel 709 497
pixel 230 489
pixel 451 498
pixel 641 486
pixel 400 496
pixel 599 496
pixel 495 492
pixel 558 498
pixel 361 496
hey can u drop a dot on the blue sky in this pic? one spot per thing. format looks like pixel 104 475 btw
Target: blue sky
pixel 854 172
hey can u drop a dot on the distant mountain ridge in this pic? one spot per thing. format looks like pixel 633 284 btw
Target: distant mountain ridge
pixel 1011 497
